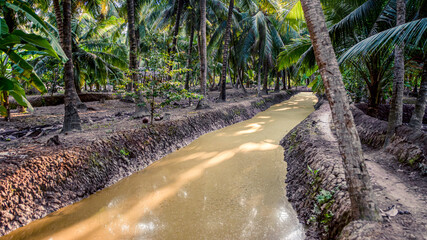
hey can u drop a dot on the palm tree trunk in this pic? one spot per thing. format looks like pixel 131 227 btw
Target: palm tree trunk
pixel 265 80
pixel 284 80
pixel 357 177
pixel 140 107
pixel 203 58
pixel 396 108
pixel 58 16
pixel 190 51
pixel 175 34
pixel 242 78
pixel 277 86
pixel 132 39
pixel 222 94
pixel 259 79
pixel 420 107
pixel 71 99
pixel 137 42
pixel 70 87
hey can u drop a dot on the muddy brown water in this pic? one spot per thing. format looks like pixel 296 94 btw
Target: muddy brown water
pixel 228 184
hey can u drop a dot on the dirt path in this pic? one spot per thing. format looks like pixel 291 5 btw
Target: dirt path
pixel 227 184
pixel 396 186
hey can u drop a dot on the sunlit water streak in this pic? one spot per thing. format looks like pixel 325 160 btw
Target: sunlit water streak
pixel 228 184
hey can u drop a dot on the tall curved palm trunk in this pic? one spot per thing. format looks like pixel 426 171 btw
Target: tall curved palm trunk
pixel 71 99
pixel 222 94
pixel 420 106
pixel 396 108
pixel 357 177
pixel 203 56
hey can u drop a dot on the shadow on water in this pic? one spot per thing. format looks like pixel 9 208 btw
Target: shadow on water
pixel 226 184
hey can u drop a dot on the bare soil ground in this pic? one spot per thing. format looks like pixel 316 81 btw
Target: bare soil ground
pixel 99 120
pixel 398 186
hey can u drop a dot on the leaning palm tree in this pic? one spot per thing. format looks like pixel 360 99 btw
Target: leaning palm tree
pixel 363 206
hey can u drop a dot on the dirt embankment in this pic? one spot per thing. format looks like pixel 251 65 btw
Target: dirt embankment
pixel 58 99
pixel 320 194
pixel 384 111
pixel 409 146
pixel 54 177
pixel 312 145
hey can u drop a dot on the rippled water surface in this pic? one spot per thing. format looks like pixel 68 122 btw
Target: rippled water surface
pixel 228 184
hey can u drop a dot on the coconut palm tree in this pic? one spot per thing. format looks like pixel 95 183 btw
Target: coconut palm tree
pixel 360 190
pixel 259 38
pixel 352 22
pixel 396 107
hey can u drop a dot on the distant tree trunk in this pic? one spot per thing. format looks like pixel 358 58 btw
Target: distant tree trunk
pixel 284 79
pixel 190 51
pixel 71 99
pixel 222 94
pixel 203 58
pixel 5 103
pixel 242 78
pixel 137 42
pixel 396 109
pixel 55 81
pixel 248 82
pixel 259 79
pixel 415 90
pixel 175 33
pixel 10 18
pixel 233 78
pixel 374 89
pixel 357 177
pixel 265 80
pixel 140 108
pixel 277 86
pixel 133 48
pixel 420 107
pixel 288 74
